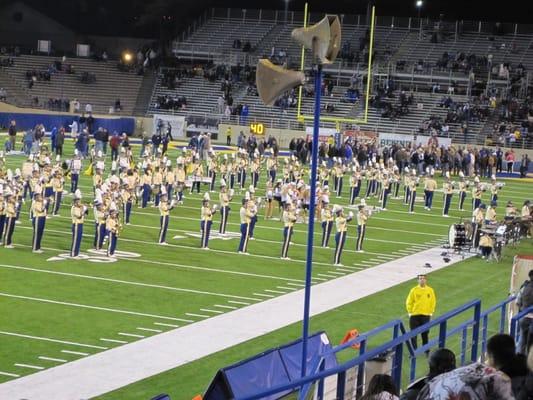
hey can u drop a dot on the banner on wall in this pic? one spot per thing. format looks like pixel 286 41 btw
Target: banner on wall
pixel 177 123
pixel 389 139
pixel 323 133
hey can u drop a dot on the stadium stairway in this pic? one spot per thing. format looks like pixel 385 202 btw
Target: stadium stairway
pixel 123 365
pixel 16 95
pixel 145 92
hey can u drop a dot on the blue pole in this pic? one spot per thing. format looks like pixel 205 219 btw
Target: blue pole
pixel 311 226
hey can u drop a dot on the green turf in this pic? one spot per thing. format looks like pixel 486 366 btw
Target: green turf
pixel 167 283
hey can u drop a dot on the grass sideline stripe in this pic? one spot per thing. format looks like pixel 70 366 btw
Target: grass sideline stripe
pixel 131 335
pixel 9 374
pixel 227 307
pixel 113 340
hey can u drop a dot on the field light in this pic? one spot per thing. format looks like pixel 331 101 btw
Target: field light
pixel 127 57
pixel 419 3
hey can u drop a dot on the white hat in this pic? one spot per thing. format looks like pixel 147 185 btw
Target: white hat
pixel 58 158
pixel 493 177
pixel 77 194
pixel 447 174
pixel 206 196
pixel 461 174
pixel 222 182
pixel 476 179
pixel 251 189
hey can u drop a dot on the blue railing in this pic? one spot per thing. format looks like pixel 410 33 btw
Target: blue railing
pixel 478 322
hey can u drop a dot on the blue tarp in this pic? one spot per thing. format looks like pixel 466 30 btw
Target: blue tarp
pixel 27 121
pixel 268 369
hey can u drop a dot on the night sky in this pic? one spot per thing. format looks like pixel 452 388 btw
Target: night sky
pixel 154 18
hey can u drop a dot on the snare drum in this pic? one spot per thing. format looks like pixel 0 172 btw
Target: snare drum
pixel 457 236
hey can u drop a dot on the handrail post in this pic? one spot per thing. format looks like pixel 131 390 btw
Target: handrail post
pixel 475 331
pixel 360 371
pixel 442 334
pixel 397 365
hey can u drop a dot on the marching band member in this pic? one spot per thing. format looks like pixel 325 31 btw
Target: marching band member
pixel 289 218
pixel 212 167
pixel 224 198
pixel 463 186
pixel 206 221
pixel 197 175
pixel 99 225
pixel 253 204
pixel 127 196
pixel 477 220
pixel 525 215
pixel 232 167
pixel 396 179
pixel 494 187
pixel 385 186
pixel 57 186
pixel 157 184
pixel 477 191
pixel 11 217
pixel 362 217
pixel 181 176
pixel 146 186
pixel 241 168
pixel 447 188
pixel 407 186
pixel 510 211
pixel 327 219
pixel 2 215
pixel 486 243
pixel 430 184
pixel 413 183
pixel 340 237
pixel 77 213
pixel 255 167
pixel 164 210
pixel 269 200
pixel 355 185
pixel 338 173
pixel 38 211
pixel 245 216
pixel 113 229
pixel 490 215
pixel 272 165
pixel 75 168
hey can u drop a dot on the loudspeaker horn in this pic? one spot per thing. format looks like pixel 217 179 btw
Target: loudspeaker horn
pixel 273 80
pixel 322 38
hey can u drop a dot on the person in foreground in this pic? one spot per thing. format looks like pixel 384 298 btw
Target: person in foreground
pixel 479 381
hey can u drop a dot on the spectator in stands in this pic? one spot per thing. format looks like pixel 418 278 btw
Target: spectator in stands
pixel 420 304
pixel 381 387
pixel 118 106
pixel 477 380
pixel 440 362
pixel 82 142
pixel 12 133
pixel 510 159
pixel 524 300
pixel 88 108
pixel 3 94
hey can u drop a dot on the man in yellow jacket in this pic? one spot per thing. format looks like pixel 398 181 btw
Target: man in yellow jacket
pixel 420 304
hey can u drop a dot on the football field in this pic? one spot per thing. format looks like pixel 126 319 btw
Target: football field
pixel 56 310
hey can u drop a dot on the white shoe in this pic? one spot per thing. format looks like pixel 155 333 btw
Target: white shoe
pixel 285 258
pixel 17 222
pixel 338 265
pixel 359 251
pixel 411 212
pixel 383 209
pixel 37 251
pixel 205 248
pixel 9 246
pixel 163 243
pixel 252 238
pixel 445 215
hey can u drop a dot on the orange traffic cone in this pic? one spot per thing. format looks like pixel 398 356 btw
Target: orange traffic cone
pixel 350 335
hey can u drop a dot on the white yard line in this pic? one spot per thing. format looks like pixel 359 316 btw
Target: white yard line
pixel 264 295
pixel 226 307
pixel 114 310
pixel 207 310
pixel 197 315
pixel 163 324
pixel 78 353
pixel 9 374
pixel 99 278
pixel 284 288
pixel 238 302
pixel 38 367
pixel 52 359
pixel 52 340
pixel 113 340
pixel 275 291
pixel 131 335
pixel 149 330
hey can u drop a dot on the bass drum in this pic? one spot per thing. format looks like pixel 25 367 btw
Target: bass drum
pixel 457 236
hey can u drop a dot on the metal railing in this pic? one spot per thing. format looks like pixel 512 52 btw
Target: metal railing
pixel 472 332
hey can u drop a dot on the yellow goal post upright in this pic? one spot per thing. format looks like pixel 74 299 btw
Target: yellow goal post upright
pixel 303 117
